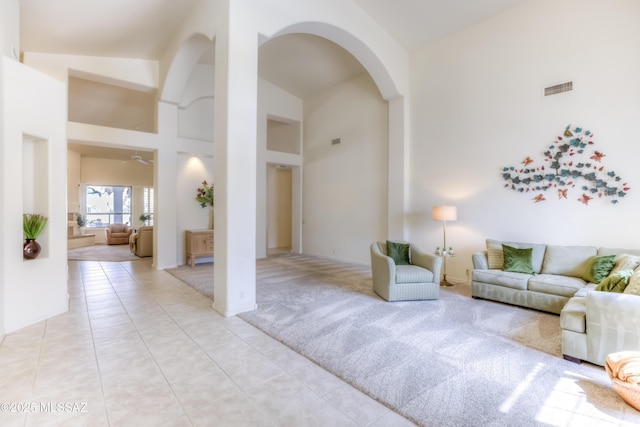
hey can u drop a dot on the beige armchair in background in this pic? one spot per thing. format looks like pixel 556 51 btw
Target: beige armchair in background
pixel 419 280
pixel 141 242
pixel 118 234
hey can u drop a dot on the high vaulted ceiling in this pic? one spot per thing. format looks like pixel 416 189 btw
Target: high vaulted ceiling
pixel 117 28
pixel 300 64
pixel 415 23
pixel 144 28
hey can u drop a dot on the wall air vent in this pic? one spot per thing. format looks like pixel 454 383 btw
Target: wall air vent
pixel 556 89
pixel 336 141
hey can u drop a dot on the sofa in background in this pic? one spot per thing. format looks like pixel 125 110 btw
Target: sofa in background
pixel 141 242
pixel 118 234
pixel 594 323
pixel 556 275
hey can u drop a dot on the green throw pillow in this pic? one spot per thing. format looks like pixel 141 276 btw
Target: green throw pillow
pixel 598 267
pixel 517 260
pixel 399 252
pixel 616 282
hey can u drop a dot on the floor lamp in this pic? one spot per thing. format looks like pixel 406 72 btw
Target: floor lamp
pixel 444 214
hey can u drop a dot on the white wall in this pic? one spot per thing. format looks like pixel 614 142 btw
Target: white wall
pixel 345 185
pixel 9 42
pixel 10 28
pixel 195 112
pixel 138 75
pixel 115 172
pixel 133 73
pixel 192 170
pixel 111 105
pixel 33 127
pixel 3 204
pixel 196 120
pixel 248 23
pixel 477 106
pixel 274 102
pixel 235 110
pixel 73 181
pixel 283 137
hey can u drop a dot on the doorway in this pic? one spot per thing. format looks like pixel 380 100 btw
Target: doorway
pixel 279 209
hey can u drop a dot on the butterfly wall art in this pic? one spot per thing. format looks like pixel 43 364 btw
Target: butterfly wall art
pixel 570 162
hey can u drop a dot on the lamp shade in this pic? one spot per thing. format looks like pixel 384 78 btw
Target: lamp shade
pixel 445 213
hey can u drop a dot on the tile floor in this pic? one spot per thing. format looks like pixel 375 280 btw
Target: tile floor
pixel 138 347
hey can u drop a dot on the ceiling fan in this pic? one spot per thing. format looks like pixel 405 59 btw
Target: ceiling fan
pixel 139 159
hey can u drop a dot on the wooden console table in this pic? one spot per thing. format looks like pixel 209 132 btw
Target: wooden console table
pixel 198 244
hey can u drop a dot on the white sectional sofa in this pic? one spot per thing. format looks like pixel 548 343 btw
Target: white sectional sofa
pixel 557 275
pixel 594 323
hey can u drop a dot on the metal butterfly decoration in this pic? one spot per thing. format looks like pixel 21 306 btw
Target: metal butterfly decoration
pixel 568 162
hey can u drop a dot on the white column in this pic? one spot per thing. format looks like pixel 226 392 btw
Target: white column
pixel 235 163
pixel 165 227
pixel 33 179
pixel 261 181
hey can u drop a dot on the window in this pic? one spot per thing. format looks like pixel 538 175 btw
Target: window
pixel 148 204
pixel 108 205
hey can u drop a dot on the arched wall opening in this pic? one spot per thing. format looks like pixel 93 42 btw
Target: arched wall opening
pixel 374 65
pixel 378 109
pixel 190 52
pixel 235 293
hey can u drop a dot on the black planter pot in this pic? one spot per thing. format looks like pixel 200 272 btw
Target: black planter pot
pixel 31 249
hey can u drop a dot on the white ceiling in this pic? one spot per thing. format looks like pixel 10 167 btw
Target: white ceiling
pixel 300 64
pixel 143 28
pixel 303 65
pixel 101 152
pixel 415 23
pixel 119 28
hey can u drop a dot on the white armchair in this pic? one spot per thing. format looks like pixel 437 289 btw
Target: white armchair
pixel 419 280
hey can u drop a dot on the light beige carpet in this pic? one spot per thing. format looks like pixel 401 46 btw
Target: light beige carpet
pixel 454 361
pixel 102 253
pixel 199 277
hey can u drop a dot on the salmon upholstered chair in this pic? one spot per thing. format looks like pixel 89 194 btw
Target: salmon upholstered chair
pixel 118 234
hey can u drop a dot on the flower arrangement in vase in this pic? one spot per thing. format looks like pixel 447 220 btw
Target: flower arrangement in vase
pixel 204 196
pixel 32 226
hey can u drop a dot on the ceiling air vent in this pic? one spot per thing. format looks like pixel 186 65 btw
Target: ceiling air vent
pixel 556 89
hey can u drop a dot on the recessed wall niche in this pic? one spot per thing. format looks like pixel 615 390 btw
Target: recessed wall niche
pixel 109 105
pixel 35 183
pixel 283 136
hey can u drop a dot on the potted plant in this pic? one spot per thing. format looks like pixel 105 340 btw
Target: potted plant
pixel 82 222
pixel 144 218
pixel 32 227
